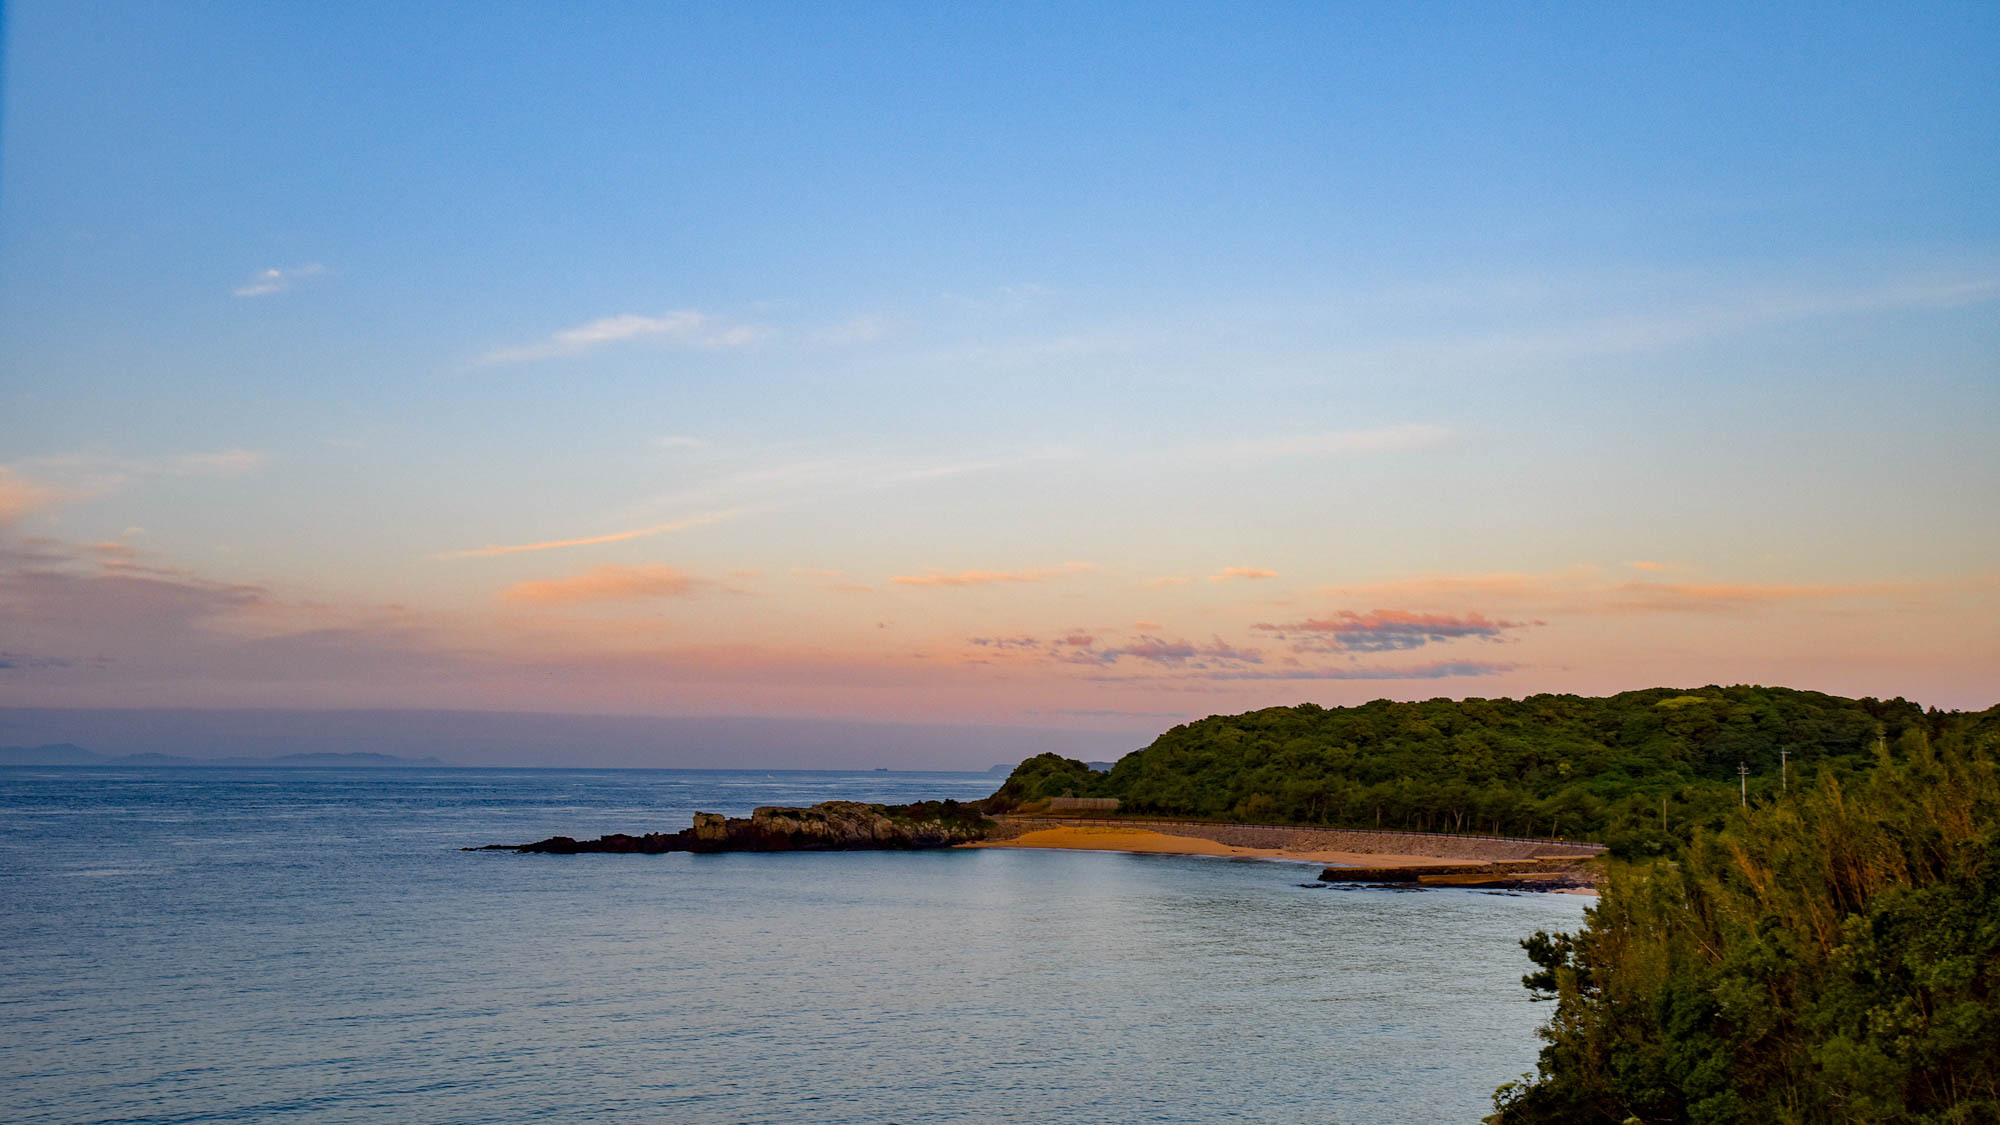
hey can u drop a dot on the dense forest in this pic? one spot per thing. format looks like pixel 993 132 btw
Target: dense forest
pixel 1830 956
pixel 1638 771
pixel 1826 951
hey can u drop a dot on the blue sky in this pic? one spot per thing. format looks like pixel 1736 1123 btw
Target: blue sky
pixel 1665 335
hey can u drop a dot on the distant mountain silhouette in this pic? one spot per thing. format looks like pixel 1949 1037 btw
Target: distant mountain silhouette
pixel 538 739
pixel 70 754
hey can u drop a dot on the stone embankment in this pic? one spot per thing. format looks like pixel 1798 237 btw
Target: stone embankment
pixel 829 826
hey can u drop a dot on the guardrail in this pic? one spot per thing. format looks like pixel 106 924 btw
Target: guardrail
pixel 1193 823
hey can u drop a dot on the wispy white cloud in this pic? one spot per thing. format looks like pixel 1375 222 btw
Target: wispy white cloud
pixel 795 480
pixel 39 482
pixel 593 540
pixel 774 486
pixel 277 280
pixel 688 328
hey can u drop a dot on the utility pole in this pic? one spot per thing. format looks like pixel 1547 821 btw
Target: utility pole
pixel 1743 772
pixel 1785 764
pixel 1663 812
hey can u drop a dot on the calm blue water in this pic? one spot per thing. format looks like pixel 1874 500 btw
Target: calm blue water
pixel 182 945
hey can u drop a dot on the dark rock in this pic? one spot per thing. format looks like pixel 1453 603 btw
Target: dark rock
pixel 830 826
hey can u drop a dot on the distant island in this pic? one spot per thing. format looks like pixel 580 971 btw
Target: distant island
pixel 68 754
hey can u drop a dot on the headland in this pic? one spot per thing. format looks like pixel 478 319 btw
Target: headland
pixel 828 826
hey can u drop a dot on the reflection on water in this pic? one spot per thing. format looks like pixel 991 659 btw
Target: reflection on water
pixel 202 945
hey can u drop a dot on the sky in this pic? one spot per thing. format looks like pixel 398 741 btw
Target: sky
pixel 1082 367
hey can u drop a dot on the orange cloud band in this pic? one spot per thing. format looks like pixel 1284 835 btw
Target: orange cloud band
pixel 605 584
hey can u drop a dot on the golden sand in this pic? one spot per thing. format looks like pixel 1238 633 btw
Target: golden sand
pixel 1108 839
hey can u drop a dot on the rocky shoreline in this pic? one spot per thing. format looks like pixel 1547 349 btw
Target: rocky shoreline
pixel 1541 873
pixel 828 826
pixel 856 826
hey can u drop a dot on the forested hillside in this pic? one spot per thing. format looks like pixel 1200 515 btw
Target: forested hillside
pixel 1829 953
pixel 1830 956
pixel 1638 771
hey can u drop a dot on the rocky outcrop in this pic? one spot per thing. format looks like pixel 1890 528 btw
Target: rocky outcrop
pixel 830 826
pixel 843 826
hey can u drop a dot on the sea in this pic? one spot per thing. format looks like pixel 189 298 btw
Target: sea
pixel 185 945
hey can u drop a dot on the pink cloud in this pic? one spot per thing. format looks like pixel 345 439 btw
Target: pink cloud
pixel 1081 648
pixel 1008 644
pixel 1720 596
pixel 1447 587
pixel 594 540
pixel 988 577
pixel 1587 590
pixel 1386 630
pixel 1230 573
pixel 1176 654
pixel 1443 670
pixel 605 584
pixel 19 496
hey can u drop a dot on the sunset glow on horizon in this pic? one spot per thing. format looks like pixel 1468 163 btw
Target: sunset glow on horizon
pixel 1007 364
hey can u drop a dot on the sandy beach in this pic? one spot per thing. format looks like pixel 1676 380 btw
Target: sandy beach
pixel 1109 839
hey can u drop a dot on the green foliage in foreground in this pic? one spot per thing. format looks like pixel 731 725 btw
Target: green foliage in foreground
pixel 1829 957
pixel 1832 954
pixel 1639 772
